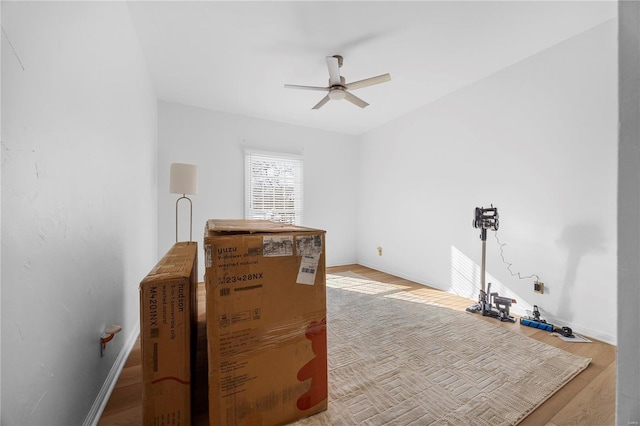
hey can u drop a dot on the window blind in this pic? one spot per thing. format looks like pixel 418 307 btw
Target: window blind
pixel 273 187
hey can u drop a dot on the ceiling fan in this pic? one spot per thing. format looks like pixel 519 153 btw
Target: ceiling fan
pixel 337 88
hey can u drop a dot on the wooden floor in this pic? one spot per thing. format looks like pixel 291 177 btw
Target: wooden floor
pixel 588 400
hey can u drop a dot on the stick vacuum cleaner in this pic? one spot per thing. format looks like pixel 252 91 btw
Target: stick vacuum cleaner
pixel 488 218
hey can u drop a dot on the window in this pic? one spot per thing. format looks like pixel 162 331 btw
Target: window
pixel 273 187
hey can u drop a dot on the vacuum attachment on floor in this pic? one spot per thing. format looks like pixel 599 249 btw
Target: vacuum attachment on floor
pixel 536 322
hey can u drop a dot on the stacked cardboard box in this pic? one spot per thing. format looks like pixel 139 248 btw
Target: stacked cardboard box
pixel 266 322
pixel 168 316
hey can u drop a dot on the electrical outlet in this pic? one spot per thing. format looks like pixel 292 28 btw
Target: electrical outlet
pixel 379 251
pixel 538 287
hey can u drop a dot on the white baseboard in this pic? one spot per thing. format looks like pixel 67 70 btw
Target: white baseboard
pixel 342 263
pixel 112 378
pixel 399 274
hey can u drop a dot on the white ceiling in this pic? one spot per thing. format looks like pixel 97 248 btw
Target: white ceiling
pixel 236 56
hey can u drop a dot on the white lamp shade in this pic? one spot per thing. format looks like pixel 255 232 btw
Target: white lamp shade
pixel 183 179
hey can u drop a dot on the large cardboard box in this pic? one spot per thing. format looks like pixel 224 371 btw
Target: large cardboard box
pixel 266 322
pixel 168 317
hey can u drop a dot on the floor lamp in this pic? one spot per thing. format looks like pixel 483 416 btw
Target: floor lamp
pixel 183 179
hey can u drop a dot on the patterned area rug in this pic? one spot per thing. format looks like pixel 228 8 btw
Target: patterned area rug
pixel 396 358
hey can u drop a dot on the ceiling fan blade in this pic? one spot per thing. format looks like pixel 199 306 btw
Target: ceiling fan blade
pixel 322 102
pixel 368 82
pixel 355 100
pixel 295 86
pixel 334 70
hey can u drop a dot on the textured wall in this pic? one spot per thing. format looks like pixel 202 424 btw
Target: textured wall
pixel 79 146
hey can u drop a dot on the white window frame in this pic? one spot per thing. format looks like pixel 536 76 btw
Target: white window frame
pixel 273 185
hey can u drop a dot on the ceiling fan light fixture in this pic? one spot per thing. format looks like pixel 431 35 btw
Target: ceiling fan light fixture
pixel 336 94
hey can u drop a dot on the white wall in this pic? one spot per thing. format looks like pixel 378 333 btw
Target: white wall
pixel 79 144
pixel 539 141
pixel 216 142
pixel 628 362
